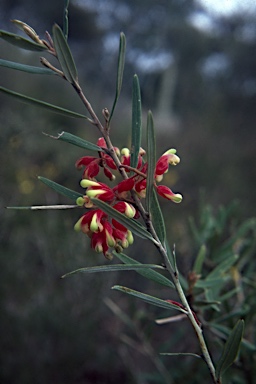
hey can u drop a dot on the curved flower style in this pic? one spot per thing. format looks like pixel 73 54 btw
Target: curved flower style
pixel 103 231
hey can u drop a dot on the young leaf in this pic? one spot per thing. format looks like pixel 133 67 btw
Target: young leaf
pixel 21 42
pixel 75 140
pixel 230 349
pixel 73 195
pixel 149 299
pixel 131 224
pixel 148 273
pixel 65 19
pixel 26 68
pixel 43 104
pixel 120 71
pixel 151 158
pixel 64 55
pixel 136 121
pixel 112 268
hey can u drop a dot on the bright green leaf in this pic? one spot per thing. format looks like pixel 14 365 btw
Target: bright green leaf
pixel 42 104
pixel 230 349
pixel 73 195
pixel 64 55
pixel 148 273
pixel 26 68
pixel 113 268
pixel 21 42
pixel 148 299
pixel 136 121
pixel 120 70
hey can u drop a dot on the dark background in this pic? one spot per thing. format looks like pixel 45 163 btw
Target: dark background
pixel 201 87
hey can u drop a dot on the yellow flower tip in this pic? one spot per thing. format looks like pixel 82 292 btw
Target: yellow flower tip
pixel 125 151
pixel 159 178
pixel 130 238
pixel 129 210
pixel 170 151
pixel 77 226
pixel 177 198
pixel 80 201
pixel 117 151
pixel 85 183
pixel 99 248
pixel 110 240
pixel 95 225
pixel 94 192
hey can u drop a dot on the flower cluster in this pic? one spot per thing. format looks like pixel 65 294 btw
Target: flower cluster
pixel 103 231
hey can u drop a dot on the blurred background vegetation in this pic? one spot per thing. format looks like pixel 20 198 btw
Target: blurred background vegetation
pixel 198 76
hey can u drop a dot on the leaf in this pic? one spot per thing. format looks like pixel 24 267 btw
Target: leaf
pixel 151 159
pixel 21 42
pixel 43 104
pixel 64 55
pixel 157 218
pixel 44 207
pixel 197 268
pixel 148 299
pixel 230 349
pixel 26 68
pixel 208 283
pixel 120 71
pixel 222 268
pixel 181 354
pixel 75 140
pixel 112 268
pixel 65 18
pixel 148 273
pixel 136 121
pixel 73 195
pixel 131 224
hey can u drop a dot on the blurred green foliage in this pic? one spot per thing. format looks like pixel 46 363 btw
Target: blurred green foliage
pixel 60 331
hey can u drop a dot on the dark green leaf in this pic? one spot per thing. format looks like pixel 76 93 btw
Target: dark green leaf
pixel 73 195
pixel 131 224
pixel 21 42
pixel 120 71
pixel 151 159
pixel 148 273
pixel 75 140
pixel 157 218
pixel 136 121
pixel 113 268
pixel 148 299
pixel 230 349
pixel 64 55
pixel 65 18
pixel 26 68
pixel 43 104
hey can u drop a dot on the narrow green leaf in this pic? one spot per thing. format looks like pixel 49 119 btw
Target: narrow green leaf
pixel 151 159
pixel 148 273
pixel 197 268
pixel 131 224
pixel 230 349
pixel 181 354
pixel 21 42
pixel 148 299
pixel 45 207
pixel 157 218
pixel 120 71
pixel 65 18
pixel 26 68
pixel 75 140
pixel 223 267
pixel 73 195
pixel 136 121
pixel 113 268
pixel 64 55
pixel 43 104
pixel 210 283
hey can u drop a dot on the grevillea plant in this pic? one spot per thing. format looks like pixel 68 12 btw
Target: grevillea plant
pixel 111 213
